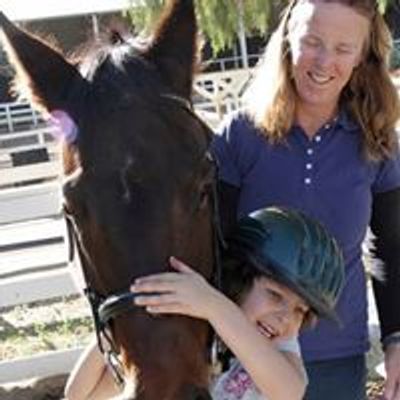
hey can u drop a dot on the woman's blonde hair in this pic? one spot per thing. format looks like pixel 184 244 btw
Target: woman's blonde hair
pixel 370 95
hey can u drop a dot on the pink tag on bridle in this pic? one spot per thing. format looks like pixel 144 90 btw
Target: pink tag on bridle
pixel 65 127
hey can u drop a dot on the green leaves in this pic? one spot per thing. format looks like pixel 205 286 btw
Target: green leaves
pixel 219 19
pixel 144 15
pixel 383 4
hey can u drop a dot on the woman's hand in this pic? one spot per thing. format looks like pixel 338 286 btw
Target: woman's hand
pixel 183 292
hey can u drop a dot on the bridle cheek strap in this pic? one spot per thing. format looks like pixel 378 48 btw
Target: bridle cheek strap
pixel 101 323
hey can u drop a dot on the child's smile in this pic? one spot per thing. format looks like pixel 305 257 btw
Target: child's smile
pixel 276 310
pixel 267 330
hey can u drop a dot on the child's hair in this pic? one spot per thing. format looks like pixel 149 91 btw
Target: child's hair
pixel 238 278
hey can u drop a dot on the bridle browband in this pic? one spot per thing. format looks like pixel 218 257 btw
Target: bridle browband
pixel 106 308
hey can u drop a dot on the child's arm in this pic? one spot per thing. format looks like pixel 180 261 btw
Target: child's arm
pixel 90 378
pixel 188 293
pixel 276 374
pixel 291 351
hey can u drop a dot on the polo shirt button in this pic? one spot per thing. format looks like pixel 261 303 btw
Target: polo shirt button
pixel 317 138
pixel 327 126
pixel 310 151
pixel 307 181
pixel 308 166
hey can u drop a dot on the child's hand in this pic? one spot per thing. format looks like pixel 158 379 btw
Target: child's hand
pixel 184 292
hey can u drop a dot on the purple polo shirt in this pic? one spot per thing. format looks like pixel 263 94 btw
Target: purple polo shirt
pixel 327 178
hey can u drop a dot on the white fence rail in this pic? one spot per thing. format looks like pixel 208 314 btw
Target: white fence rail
pixel 30 165
pixel 34 266
pixel 218 93
pixel 18 117
pixel 34 263
pixel 39 366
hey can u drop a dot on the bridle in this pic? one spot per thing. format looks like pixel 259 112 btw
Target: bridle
pixel 106 308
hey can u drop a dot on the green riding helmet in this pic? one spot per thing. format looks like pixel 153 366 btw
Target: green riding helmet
pixel 294 250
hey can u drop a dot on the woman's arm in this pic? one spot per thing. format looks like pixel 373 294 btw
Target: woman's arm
pixel 385 226
pixel 188 293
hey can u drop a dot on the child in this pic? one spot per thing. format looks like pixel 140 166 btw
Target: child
pixel 280 270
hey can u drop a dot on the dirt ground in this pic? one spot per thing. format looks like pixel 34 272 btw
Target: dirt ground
pixel 40 327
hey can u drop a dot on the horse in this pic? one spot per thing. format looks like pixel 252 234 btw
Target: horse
pixel 138 187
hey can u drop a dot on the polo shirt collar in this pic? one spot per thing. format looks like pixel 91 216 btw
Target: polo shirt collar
pixel 346 121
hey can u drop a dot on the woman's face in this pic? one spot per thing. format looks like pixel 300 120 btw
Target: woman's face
pixel 326 42
pixel 276 310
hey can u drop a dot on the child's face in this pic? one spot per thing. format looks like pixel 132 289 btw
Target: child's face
pixel 276 310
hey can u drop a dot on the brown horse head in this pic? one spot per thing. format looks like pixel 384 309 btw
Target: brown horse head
pixel 137 182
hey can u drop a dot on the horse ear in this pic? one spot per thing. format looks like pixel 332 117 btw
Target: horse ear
pixel 42 73
pixel 174 47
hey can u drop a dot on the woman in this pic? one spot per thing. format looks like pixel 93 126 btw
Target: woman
pixel 318 135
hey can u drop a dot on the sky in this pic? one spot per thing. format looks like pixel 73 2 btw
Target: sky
pixel 33 9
